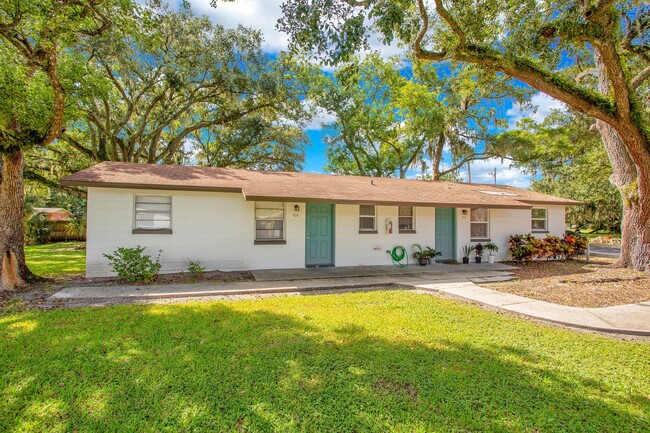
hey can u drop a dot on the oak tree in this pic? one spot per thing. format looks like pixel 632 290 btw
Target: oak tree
pixel 37 69
pixel 593 55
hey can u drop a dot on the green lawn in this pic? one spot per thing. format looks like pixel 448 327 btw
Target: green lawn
pixel 375 361
pixel 595 234
pixel 56 260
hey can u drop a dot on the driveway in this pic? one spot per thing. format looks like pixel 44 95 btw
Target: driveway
pixel 605 250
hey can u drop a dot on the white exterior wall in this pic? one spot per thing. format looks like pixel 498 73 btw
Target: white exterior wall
pixel 216 228
pixel 556 222
pixel 353 248
pixel 219 230
pixel 506 222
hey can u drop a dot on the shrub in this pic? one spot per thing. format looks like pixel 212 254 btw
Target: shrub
pixel 37 229
pixel 524 248
pixel 194 267
pixel 131 264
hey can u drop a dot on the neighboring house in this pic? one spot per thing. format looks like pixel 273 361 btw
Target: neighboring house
pixel 54 213
pixel 241 219
pixel 59 217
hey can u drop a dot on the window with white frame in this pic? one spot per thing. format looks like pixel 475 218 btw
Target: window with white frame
pixel 406 219
pixel 269 221
pixel 480 224
pixel 538 220
pixel 367 218
pixel 153 213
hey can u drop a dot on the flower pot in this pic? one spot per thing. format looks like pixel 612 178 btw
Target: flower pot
pixel 422 261
pixel 491 259
pixel 466 260
pixel 478 259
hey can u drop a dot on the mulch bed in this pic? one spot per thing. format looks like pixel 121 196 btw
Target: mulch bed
pixel 578 284
pixel 177 278
pixel 35 295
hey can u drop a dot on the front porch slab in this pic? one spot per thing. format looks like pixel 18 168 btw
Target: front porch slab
pixel 436 269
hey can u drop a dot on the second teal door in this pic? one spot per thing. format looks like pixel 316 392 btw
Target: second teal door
pixel 319 242
pixel 445 233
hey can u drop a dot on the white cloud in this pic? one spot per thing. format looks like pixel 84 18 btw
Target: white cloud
pixel 258 14
pixel 320 119
pixel 541 105
pixel 385 51
pixel 506 175
pixel 263 15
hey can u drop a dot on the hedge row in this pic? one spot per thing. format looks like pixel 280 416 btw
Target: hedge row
pixel 524 248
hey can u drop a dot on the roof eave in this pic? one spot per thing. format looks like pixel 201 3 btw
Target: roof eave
pixel 157 187
pixel 382 202
pixel 566 202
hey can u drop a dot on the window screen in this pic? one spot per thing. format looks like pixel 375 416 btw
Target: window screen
pixel 153 212
pixel 367 218
pixel 269 220
pixel 406 218
pixel 479 223
pixel 538 220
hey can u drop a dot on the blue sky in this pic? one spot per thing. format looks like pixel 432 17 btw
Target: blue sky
pixel 263 14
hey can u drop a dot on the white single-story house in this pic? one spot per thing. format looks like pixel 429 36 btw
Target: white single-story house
pixel 233 219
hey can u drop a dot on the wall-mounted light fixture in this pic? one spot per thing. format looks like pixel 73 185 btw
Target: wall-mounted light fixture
pixel 465 212
pixel 296 208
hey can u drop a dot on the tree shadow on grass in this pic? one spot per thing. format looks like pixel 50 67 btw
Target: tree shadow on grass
pixel 213 367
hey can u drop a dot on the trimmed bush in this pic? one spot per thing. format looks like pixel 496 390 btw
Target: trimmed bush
pixel 524 248
pixel 131 264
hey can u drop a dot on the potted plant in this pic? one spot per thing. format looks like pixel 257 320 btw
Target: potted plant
pixel 467 250
pixel 422 257
pixel 478 251
pixel 432 254
pixel 491 248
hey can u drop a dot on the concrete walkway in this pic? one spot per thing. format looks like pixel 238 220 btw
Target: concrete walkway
pixel 432 270
pixel 631 319
pixel 291 283
pixel 605 250
pixel 455 280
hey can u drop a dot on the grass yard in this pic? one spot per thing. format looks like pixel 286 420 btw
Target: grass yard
pixel 598 233
pixel 63 259
pixel 374 361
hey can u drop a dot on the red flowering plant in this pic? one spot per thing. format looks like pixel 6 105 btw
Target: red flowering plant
pixel 524 248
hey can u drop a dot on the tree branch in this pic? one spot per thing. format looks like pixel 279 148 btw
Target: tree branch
pixel 420 52
pixel 640 78
pixel 74 143
pixel 451 22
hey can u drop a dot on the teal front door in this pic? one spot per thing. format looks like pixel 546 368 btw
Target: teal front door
pixel 445 232
pixel 319 242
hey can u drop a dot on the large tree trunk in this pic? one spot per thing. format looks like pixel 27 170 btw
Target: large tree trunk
pixel 623 178
pixel 14 272
pixel 631 177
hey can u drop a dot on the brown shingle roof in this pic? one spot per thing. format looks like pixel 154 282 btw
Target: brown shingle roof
pixel 307 187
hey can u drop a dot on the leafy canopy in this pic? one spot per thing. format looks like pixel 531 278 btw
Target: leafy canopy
pixel 567 159
pixel 175 78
